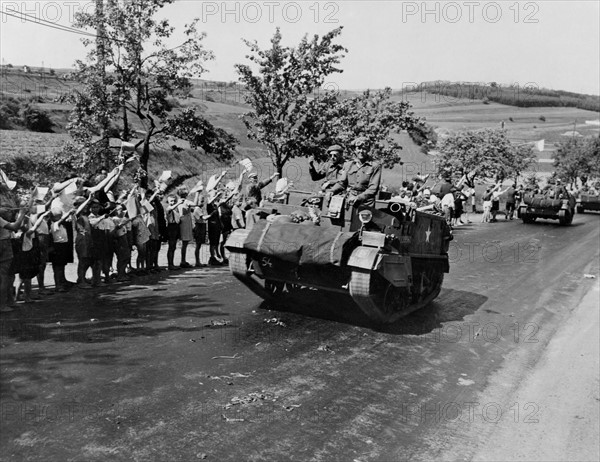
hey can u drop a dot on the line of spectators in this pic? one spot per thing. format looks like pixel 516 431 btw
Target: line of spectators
pixel 104 231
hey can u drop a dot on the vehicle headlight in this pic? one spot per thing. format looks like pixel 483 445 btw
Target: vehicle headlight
pixel 365 216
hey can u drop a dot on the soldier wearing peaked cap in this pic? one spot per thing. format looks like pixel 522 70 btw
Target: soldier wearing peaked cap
pixel 332 170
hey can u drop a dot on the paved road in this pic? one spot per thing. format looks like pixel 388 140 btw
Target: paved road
pixel 145 371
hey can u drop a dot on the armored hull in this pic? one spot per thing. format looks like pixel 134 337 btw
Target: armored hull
pixel 588 202
pixel 391 265
pixel 541 206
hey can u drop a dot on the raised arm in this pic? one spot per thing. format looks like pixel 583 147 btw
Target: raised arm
pixel 316 174
pixel 262 184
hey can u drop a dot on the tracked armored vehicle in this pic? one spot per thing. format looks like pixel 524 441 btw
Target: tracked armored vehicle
pixel 391 260
pixel 561 208
pixel 588 202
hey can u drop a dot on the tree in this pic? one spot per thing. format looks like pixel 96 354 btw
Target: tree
pixel 140 78
pixel 36 119
pixel 281 93
pixel 577 158
pixel 372 115
pixel 293 117
pixel 484 154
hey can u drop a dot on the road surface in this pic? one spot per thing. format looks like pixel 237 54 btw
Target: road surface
pixel 191 365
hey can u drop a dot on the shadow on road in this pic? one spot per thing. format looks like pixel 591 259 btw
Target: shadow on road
pixel 450 305
pixel 102 319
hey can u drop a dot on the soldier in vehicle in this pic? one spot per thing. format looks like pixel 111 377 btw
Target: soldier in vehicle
pixel 361 178
pixel 331 171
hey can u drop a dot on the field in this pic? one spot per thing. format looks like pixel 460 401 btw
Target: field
pixel 223 106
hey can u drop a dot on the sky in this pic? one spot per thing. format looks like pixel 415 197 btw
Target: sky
pixel 549 44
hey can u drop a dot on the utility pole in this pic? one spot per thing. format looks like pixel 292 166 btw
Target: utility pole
pixel 101 69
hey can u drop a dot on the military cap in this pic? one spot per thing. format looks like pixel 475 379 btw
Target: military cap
pixel 335 147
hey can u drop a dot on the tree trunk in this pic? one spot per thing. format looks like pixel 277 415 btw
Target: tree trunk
pixel 125 135
pixel 144 158
pixel 101 65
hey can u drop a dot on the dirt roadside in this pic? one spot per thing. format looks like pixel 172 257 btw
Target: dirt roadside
pixel 563 389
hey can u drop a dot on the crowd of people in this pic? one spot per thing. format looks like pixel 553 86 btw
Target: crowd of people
pixel 52 225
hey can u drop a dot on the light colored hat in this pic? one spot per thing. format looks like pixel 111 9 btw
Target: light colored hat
pixel 253 175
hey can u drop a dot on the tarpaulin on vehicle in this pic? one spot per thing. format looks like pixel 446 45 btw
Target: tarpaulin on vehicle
pixel 589 198
pixel 300 243
pixel 541 201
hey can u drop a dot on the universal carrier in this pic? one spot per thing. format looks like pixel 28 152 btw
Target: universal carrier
pixel 389 259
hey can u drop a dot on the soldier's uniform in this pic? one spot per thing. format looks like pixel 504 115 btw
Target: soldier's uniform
pixel 330 171
pixel 361 181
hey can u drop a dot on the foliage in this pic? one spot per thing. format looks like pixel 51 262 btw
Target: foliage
pixel 372 115
pixel 280 93
pixel 200 133
pixel 9 112
pixel 577 158
pixel 484 154
pixel 293 118
pixel 424 135
pixel 36 119
pixel 144 74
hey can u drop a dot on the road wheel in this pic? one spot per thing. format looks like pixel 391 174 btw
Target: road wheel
pixel 378 298
pixel 240 265
pixel 571 215
pixel 274 288
pixel 527 218
pixel 293 288
pixel 565 217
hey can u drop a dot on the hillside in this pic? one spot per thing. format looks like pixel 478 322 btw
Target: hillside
pixel 223 106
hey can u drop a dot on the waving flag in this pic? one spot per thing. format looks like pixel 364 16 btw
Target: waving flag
pixel 199 187
pixel 9 183
pixel 39 193
pixel 134 208
pixel 212 182
pixel 281 185
pixel 166 176
pixel 126 146
pixel 247 164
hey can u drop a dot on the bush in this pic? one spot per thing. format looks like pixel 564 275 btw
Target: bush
pixel 543 118
pixel 9 112
pixel 36 119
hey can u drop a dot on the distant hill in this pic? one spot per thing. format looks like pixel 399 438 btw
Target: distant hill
pixel 223 104
pixel 513 95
